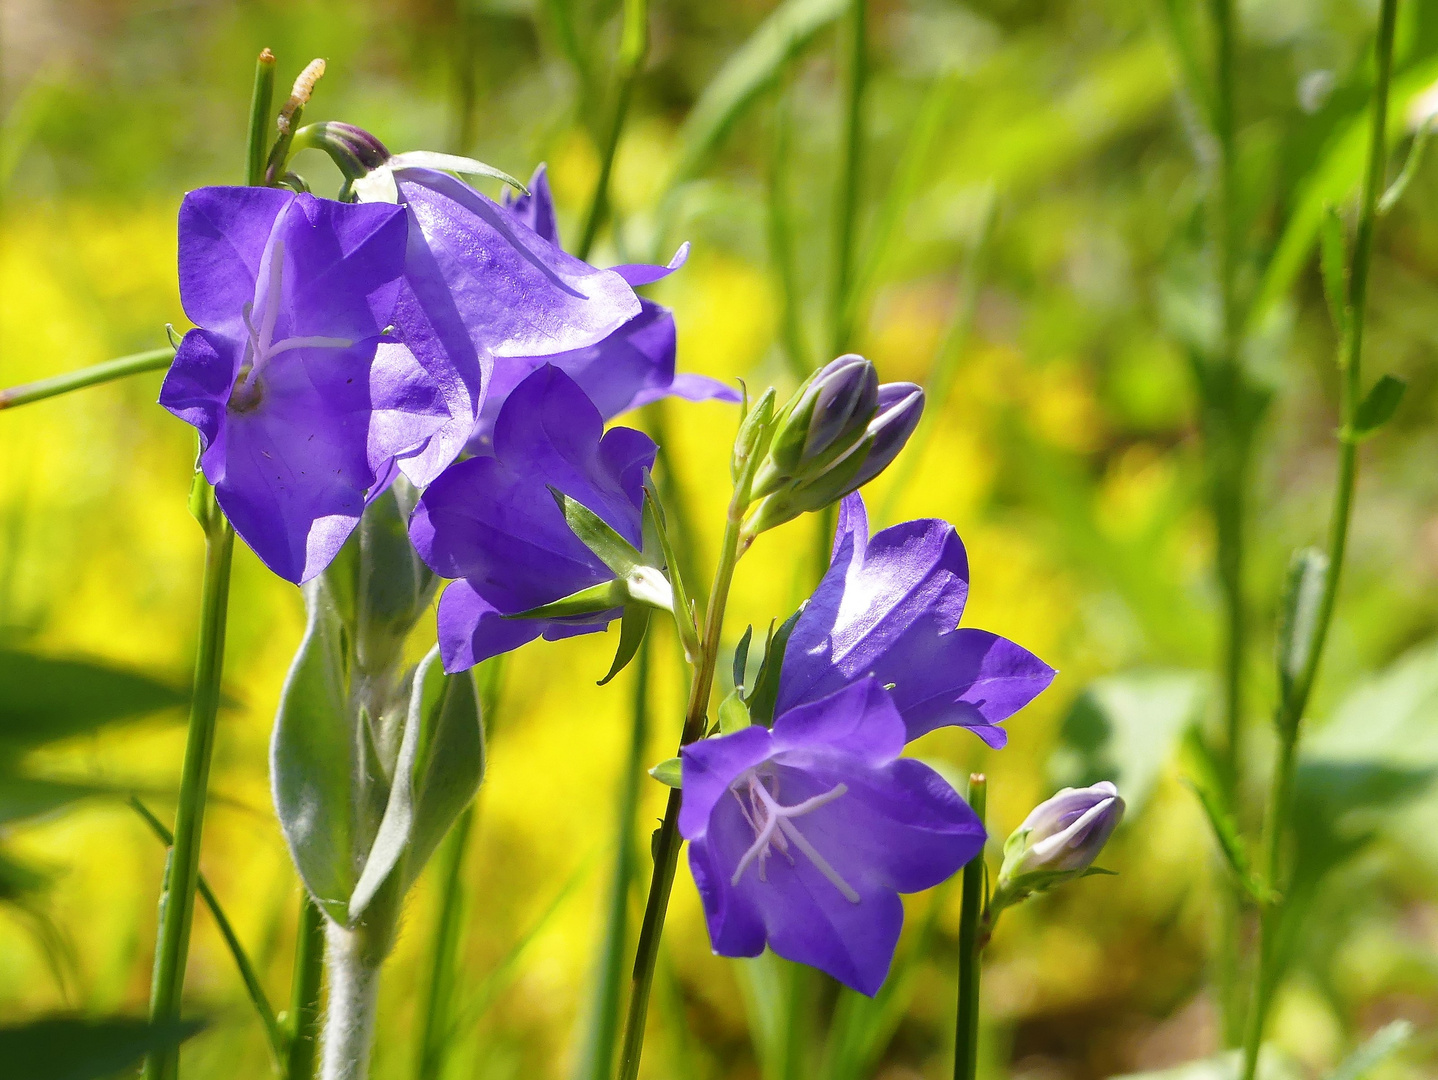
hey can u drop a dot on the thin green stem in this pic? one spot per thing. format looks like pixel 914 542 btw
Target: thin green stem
pixel 598 1062
pixel 846 196
pixel 793 1057
pixel 304 1014
pixel 134 364
pixel 1291 709
pixel 666 848
pixel 261 101
pixel 633 48
pixel 966 1030
pixel 242 960
pixel 437 1004
pixel 177 900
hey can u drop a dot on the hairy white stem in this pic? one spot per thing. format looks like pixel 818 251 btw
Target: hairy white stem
pixel 353 989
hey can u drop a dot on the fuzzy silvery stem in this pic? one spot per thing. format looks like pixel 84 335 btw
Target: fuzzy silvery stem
pixel 1295 699
pixel 353 995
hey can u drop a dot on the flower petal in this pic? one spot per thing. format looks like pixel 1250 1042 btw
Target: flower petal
pixel 223 232
pixel 471 630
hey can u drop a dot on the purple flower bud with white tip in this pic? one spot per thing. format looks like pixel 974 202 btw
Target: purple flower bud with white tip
pixel 1059 840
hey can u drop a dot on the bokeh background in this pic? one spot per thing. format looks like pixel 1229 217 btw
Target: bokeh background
pixel 1031 219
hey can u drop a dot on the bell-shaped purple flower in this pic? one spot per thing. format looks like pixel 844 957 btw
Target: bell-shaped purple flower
pixel 492 523
pixel 302 396
pixel 803 836
pixel 630 367
pixel 889 607
pixel 1058 841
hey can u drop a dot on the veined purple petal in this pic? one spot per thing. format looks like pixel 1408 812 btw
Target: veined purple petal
pixel 638 274
pixel 889 607
pixel 536 210
pixel 196 388
pixel 223 232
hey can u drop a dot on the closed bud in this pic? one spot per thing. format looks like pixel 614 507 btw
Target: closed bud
pixel 826 417
pixel 888 427
pixel 1059 840
pixel 353 149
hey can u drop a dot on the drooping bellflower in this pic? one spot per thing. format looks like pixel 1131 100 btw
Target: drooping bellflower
pixel 803 836
pixel 889 606
pixel 631 367
pixel 492 523
pixel 302 395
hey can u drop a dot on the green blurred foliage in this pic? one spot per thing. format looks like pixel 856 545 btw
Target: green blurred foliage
pixel 1066 454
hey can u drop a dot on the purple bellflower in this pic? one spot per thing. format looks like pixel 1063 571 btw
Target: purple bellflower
pixel 302 397
pixel 630 367
pixel 492 523
pixel 889 607
pixel 803 836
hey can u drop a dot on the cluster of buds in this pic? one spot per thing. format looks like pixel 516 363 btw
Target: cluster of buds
pixel 1058 841
pixel 839 431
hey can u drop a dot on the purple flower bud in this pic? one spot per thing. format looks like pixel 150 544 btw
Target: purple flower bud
pixel 826 417
pixel 1059 839
pixel 901 405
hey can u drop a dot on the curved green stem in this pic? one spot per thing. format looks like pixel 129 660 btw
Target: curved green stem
pixel 667 843
pixel 134 364
pixel 177 899
pixel 1292 707
pixel 966 1031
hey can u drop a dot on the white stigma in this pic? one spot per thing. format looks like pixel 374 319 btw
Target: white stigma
pixel 774 827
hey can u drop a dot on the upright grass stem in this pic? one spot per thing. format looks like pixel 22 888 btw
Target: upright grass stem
pixel 177 893
pixel 633 48
pixel 667 842
pixel 177 897
pixel 846 195
pixel 598 1061
pixel 304 1015
pixel 966 1030
pixel 1292 707
pixel 436 1006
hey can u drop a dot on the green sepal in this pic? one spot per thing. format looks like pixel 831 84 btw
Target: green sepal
pixel 632 628
pixel 752 441
pixel 1378 406
pixel 605 596
pixel 598 535
pixel 766 684
pixel 733 714
pixel 1333 262
pixel 741 657
pixel 1297 632
pixel 669 772
pixel 682 611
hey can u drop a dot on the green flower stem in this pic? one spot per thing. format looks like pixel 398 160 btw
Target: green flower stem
pixel 971 946
pixel 304 1015
pixel 633 48
pixel 261 100
pixel 846 196
pixel 134 364
pixel 232 940
pixel 604 1033
pixel 435 1009
pixel 781 238
pixel 177 898
pixel 1291 709
pixel 667 841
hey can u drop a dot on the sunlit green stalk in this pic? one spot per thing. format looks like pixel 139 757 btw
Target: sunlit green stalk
pixel 246 969
pixel 135 364
pixel 1292 707
pixel 633 48
pixel 666 847
pixel 781 239
pixel 435 1007
pixel 261 100
pixel 598 1061
pixel 966 1031
pixel 177 898
pixel 304 1014
pixel 846 195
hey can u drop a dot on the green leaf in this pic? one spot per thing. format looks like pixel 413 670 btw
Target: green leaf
pixel 44 699
pixel 598 536
pixel 1273 1064
pixel 741 657
pixel 683 615
pixel 1302 597
pixel 670 772
pixel 1381 1045
pixel 392 585
pixel 1378 407
pixel 329 788
pixel 1125 728
pixel 632 628
pixel 1333 261
pixel 74 1048
pixel 762 698
pixel 733 713
pixel 24 797
pixel 439 768
pixel 746 74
